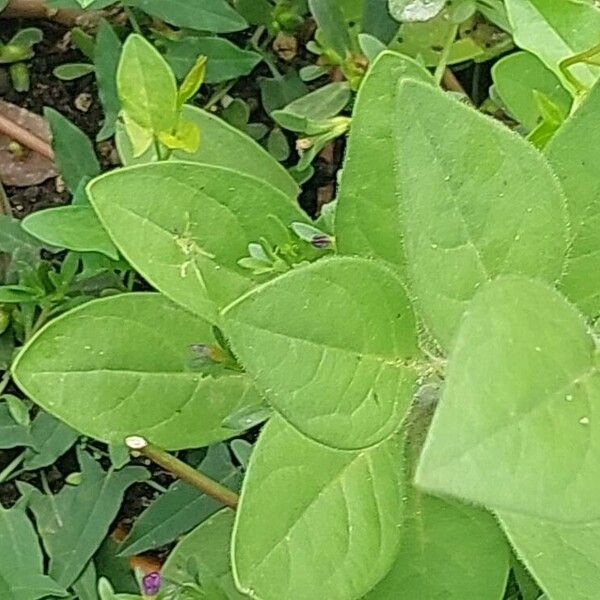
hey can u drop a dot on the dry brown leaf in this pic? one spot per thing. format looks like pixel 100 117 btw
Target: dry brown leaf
pixel 20 166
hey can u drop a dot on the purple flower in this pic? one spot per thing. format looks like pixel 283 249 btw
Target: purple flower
pixel 151 583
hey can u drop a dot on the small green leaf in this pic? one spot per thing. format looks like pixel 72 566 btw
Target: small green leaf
pixel 522 374
pixel 72 71
pixel 216 16
pixel 186 137
pixel 415 10
pixel 224 60
pixel 73 523
pixel 333 517
pixel 207 550
pixel 109 381
pixel 75 154
pixel 147 86
pixel 338 381
pixel 13 433
pixel 517 76
pixel 22 566
pixel 75 228
pixel 199 266
pixel 192 82
pixel 332 25
pixel 556 31
pixel 478 202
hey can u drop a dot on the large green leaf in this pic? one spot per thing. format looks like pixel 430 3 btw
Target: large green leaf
pixel 574 154
pixel 207 15
pixel 207 550
pixel 221 145
pixel 120 366
pixel 563 557
pixel 22 566
pixel 517 77
pixel 518 426
pixel 185 226
pixel 315 522
pixel 369 219
pixel 478 201
pixel 554 31
pixel 448 550
pixel 332 346
pixel 73 523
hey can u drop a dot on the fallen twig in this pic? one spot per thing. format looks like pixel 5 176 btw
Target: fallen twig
pixel 25 138
pixel 38 9
pixel 451 83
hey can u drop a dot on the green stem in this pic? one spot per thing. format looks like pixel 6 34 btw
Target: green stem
pixel 210 487
pixel 40 322
pixel 132 20
pixel 219 94
pixel 441 66
pixel 11 467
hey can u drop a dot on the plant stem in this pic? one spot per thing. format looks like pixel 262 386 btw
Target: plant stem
pixel 219 94
pixel 441 66
pixel 4 381
pixel 212 488
pixel 40 321
pixel 132 20
pixel 9 469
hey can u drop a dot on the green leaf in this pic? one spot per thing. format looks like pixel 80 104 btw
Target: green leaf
pixel 368 222
pixel 107 53
pixel 147 86
pixel 332 25
pixel 192 81
pixel 478 202
pixel 72 71
pixel 563 557
pixel 216 16
pixel 323 103
pixel 556 31
pixel 51 439
pixel 277 92
pixel 126 372
pixel 574 153
pixel 517 76
pixel 21 569
pixel 72 227
pixel 338 380
pixel 177 212
pixel 75 154
pixel 224 60
pixel 73 523
pixel 182 507
pixel 223 146
pixel 186 137
pixel 522 375
pixel 448 550
pixel 12 434
pixel 333 517
pixel 207 549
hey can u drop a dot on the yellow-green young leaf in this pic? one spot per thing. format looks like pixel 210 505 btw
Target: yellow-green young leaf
pixel 192 82
pixel 140 139
pixel 185 226
pixel 222 146
pixel 554 31
pixel 448 550
pixel 205 549
pixel 147 86
pixel 574 154
pixel 369 216
pixel 518 426
pixel 126 371
pixel 478 202
pixel 338 362
pixel 332 518
pixel 564 558
pixel 186 137
pixel 517 76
